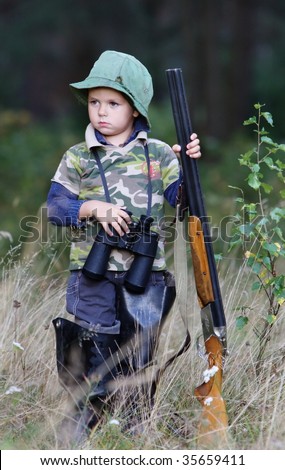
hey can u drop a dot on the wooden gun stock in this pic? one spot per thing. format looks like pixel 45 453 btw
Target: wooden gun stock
pixel 212 433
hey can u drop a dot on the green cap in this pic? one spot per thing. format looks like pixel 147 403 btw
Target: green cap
pixel 123 73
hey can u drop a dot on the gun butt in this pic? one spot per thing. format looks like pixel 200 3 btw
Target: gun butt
pixel 213 424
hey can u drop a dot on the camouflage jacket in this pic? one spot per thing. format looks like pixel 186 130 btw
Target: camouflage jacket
pixel 126 174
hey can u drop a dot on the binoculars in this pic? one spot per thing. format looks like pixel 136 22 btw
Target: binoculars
pixel 140 240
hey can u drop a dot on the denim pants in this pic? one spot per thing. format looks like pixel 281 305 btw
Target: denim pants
pixel 95 301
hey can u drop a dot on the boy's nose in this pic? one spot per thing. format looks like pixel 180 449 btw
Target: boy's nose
pixel 102 110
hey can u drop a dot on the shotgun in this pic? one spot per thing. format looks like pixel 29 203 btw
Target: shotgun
pixel 214 421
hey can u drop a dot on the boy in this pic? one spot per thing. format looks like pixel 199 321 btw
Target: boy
pixel 112 188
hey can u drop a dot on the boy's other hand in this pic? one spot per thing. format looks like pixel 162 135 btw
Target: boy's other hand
pixel 192 148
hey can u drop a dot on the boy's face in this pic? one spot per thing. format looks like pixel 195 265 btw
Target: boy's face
pixel 111 114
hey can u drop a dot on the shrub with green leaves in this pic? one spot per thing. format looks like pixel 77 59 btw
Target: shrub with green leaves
pixel 259 227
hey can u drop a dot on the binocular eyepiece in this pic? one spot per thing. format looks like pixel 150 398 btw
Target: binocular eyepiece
pixel 140 240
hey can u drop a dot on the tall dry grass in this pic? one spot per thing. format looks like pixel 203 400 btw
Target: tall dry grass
pixel 33 403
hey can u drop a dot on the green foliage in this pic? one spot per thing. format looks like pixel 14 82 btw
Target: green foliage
pixel 259 228
pixel 241 322
pixel 30 153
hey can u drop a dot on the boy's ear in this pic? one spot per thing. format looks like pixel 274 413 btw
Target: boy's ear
pixel 135 113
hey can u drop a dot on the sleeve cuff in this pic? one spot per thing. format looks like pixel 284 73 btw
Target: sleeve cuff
pixel 73 212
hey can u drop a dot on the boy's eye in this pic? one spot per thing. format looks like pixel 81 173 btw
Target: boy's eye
pixel 114 104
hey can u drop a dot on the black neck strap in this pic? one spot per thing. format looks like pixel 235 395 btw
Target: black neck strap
pixel 104 181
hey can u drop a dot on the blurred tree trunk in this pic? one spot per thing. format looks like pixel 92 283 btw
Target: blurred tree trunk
pixel 218 39
pixel 242 14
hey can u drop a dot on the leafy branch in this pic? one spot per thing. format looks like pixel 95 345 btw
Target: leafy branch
pixel 260 229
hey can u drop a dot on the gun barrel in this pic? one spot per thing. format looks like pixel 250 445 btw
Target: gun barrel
pixel 192 185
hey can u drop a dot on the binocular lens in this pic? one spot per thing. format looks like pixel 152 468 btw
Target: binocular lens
pixel 97 260
pixel 139 273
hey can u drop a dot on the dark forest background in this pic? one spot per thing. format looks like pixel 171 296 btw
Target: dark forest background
pixel 231 53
